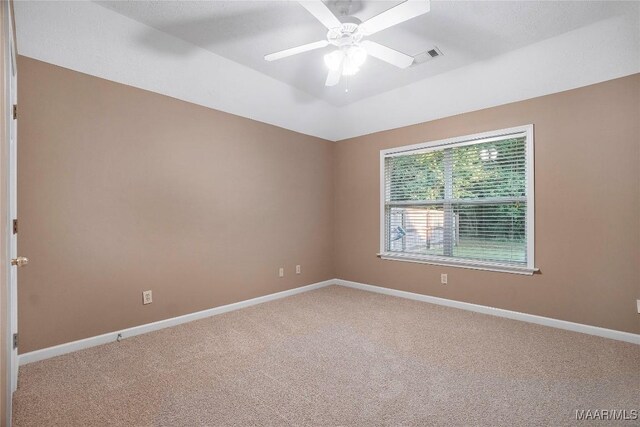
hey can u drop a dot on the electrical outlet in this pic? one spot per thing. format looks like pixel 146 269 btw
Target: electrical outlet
pixel 281 272
pixel 443 279
pixel 146 297
pixel 298 270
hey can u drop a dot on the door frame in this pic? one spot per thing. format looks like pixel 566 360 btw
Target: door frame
pixel 12 99
pixel 8 175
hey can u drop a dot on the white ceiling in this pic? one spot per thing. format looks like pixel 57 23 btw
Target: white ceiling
pixel 210 53
pixel 465 31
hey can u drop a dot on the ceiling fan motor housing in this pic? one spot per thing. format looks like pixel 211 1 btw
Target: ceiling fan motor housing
pixel 345 35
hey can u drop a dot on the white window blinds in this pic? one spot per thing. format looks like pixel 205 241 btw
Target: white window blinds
pixel 463 202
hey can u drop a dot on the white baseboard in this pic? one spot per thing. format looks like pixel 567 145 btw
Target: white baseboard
pixel 58 350
pixel 530 318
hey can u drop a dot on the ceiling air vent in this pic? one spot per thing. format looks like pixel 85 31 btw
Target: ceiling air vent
pixel 427 56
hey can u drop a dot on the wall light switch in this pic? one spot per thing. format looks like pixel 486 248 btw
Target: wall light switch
pixel 638 303
pixel 146 297
pixel 281 272
pixel 298 270
pixel 443 279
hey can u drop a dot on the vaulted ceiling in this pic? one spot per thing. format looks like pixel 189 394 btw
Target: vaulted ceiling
pixel 211 53
pixel 466 32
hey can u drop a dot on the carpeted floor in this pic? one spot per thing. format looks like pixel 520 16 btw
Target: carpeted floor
pixel 335 356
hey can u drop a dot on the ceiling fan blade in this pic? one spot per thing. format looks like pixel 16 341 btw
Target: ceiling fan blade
pixel 400 13
pixel 333 78
pixel 295 50
pixel 322 13
pixel 386 54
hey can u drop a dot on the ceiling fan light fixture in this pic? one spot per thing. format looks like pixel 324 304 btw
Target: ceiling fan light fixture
pixel 334 59
pixel 356 56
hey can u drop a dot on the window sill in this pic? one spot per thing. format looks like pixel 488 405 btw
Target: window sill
pixel 487 266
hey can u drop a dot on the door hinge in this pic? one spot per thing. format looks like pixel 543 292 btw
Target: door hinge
pixel 15 341
pixel 15 111
pixel 15 226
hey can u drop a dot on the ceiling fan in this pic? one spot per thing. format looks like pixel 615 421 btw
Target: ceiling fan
pixel 349 38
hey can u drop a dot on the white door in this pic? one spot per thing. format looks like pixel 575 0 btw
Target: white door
pixel 16 261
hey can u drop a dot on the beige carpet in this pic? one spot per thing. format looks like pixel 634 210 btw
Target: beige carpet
pixel 335 356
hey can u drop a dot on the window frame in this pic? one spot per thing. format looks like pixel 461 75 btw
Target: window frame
pixel 460 141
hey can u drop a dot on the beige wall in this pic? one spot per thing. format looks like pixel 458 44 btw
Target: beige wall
pixel 587 199
pixel 123 190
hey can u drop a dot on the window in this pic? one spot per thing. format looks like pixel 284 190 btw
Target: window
pixel 464 201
